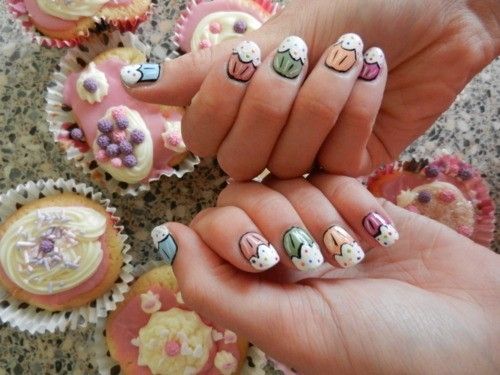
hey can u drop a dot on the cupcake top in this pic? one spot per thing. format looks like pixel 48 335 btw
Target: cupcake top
pixel 92 85
pixel 351 42
pixel 296 47
pixel 71 9
pixel 172 137
pixel 374 56
pixel 53 249
pixel 248 51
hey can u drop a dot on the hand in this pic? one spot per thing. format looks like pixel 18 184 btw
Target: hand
pixel 321 111
pixel 428 304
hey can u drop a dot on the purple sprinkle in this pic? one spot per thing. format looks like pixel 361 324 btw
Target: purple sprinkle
pixel 112 150
pixel 432 171
pixel 104 125
pixel 90 85
pixel 126 148
pixel 122 123
pixel 46 246
pixel 129 161
pixel 464 173
pixel 103 141
pixel 76 134
pixel 137 136
pixel 424 196
pixel 240 27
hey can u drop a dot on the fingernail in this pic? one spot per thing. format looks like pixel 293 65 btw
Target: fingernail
pixel 164 243
pixel 302 249
pixel 343 247
pixel 291 57
pixel 132 75
pixel 258 251
pixel 244 61
pixel 382 231
pixel 345 53
pixel 373 61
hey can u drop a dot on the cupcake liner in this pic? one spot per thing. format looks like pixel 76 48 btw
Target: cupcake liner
pixel 61 118
pixel 450 167
pixel 129 24
pixel 36 320
pixel 194 12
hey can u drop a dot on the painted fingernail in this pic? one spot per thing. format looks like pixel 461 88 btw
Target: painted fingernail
pixel 164 243
pixel 383 232
pixel 343 247
pixel 373 61
pixel 132 75
pixel 291 57
pixel 258 251
pixel 244 61
pixel 302 249
pixel 345 53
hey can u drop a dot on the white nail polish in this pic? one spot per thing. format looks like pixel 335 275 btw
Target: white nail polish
pixel 343 247
pixel 302 249
pixel 164 243
pixel 258 251
pixel 132 75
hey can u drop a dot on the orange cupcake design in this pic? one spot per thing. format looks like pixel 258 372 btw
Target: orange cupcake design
pixel 344 54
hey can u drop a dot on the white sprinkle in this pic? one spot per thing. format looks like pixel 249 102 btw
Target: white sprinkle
pixel 46 263
pixel 135 341
pixel 25 244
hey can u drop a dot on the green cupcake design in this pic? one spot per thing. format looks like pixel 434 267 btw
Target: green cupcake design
pixel 290 58
pixel 302 249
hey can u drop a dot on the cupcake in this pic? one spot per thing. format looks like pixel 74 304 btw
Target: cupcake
pixel 290 57
pixel 244 61
pixel 60 250
pixel 153 332
pixel 207 23
pixel 372 64
pixel 67 23
pixel 343 55
pixel 124 143
pixel 445 189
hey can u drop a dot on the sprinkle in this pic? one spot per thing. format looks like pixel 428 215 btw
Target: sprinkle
pixel 229 337
pixel 240 27
pixel 76 134
pixel 104 125
pixel 215 28
pixel 172 348
pixel 101 155
pixel 135 341
pixel 116 162
pixel 432 171
pixel 205 43
pixel 118 112
pixel 465 174
pixel 198 351
pixel 103 141
pixel 424 196
pixel 136 136
pixel 25 244
pixel 90 85
pixel 118 136
pixel 112 150
pixel 216 335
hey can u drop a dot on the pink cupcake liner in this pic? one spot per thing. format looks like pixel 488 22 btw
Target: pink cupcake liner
pixel 389 180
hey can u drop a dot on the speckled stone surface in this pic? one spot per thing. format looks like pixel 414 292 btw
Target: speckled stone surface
pixel 470 128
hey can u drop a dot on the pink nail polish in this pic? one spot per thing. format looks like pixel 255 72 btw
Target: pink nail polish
pixel 258 251
pixel 381 230
pixel 373 61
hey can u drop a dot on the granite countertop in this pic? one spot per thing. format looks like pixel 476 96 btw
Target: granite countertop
pixel 470 128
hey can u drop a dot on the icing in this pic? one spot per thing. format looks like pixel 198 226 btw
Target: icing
pixel 374 56
pixel 225 363
pixel 351 42
pixel 203 37
pixel 150 302
pixel 71 9
pixel 248 51
pixel 45 20
pixel 174 340
pixel 53 249
pixel 172 137
pixel 92 85
pixel 296 47
pixel 132 167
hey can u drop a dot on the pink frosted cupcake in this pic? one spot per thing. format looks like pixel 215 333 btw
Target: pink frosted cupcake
pixel 244 61
pixel 446 189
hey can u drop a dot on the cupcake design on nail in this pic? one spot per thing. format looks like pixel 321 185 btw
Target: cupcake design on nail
pixel 258 251
pixel 164 243
pixel 244 61
pixel 291 57
pixel 302 249
pixel 382 231
pixel 172 137
pixel 345 52
pixel 92 85
pixel 131 75
pixel 372 64
pixel 343 247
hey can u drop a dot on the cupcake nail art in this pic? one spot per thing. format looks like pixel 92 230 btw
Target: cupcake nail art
pixel 343 247
pixel 372 65
pixel 291 57
pixel 258 251
pixel 382 231
pixel 132 75
pixel 243 61
pixel 345 52
pixel 164 243
pixel 302 249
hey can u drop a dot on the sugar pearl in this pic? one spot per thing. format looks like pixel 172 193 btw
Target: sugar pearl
pixel 136 136
pixel 465 174
pixel 126 148
pixel 116 162
pixel 240 27
pixel 101 155
pixel 103 141
pixel 122 123
pixel 112 150
pixel 447 196
pixel 46 245
pixel 424 196
pixel 215 27
pixel 104 125
pixel 129 161
pixel 172 348
pixel 205 43
pixel 118 136
pixel 432 171
pixel 90 85
pixel 76 134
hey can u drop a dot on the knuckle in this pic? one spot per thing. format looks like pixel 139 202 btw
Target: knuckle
pixel 265 110
pixel 318 108
pixel 359 115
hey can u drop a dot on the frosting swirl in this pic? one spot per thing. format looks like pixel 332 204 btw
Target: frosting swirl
pixel 71 9
pixel 92 85
pixel 53 249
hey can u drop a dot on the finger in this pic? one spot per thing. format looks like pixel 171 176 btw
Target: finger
pixel 235 238
pixel 317 107
pixel 344 149
pixel 358 207
pixel 322 219
pixel 213 110
pixel 264 111
pixel 278 221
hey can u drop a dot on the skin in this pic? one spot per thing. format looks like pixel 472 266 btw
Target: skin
pixel 429 304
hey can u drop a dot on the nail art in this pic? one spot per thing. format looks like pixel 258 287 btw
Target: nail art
pixel 373 61
pixel 302 249
pixel 134 74
pixel 244 61
pixel 164 243
pixel 258 251
pixel 383 232
pixel 343 247
pixel 291 57
pixel 345 53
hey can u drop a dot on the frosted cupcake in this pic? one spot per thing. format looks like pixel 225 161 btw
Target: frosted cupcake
pixel 244 61
pixel 290 57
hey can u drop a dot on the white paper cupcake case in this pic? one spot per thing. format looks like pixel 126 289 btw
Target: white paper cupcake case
pixel 36 320
pixel 74 61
